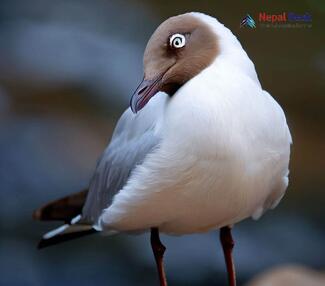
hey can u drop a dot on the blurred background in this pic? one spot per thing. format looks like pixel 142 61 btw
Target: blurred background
pixel 67 70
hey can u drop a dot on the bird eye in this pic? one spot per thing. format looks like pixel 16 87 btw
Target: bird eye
pixel 177 41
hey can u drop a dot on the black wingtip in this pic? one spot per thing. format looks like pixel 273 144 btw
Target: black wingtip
pixel 64 237
pixel 63 209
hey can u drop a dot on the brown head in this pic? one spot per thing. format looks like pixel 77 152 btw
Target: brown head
pixel 178 50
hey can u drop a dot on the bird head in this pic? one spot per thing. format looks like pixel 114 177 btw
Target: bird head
pixel 179 49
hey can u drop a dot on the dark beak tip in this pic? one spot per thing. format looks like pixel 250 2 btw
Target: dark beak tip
pixel 134 103
pixel 144 92
pixel 133 109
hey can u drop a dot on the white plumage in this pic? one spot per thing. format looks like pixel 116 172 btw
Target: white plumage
pixel 223 155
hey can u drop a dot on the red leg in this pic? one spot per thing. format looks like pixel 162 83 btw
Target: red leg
pixel 228 245
pixel 158 251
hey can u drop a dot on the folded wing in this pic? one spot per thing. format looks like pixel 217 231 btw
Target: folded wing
pixel 134 137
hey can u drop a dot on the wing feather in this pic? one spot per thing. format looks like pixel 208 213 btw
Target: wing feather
pixel 134 137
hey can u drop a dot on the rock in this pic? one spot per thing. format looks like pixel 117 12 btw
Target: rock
pixel 289 275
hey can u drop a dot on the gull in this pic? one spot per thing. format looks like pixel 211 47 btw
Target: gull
pixel 201 147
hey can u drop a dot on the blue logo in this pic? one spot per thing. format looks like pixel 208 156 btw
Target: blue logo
pixel 248 21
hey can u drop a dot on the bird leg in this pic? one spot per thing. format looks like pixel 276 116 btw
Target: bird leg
pixel 228 244
pixel 158 251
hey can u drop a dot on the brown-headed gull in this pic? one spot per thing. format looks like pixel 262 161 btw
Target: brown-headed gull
pixel 201 147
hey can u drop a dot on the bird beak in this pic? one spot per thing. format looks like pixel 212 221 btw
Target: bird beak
pixel 144 92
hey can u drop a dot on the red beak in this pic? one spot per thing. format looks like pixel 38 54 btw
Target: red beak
pixel 144 92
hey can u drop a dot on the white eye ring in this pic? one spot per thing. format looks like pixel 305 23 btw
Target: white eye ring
pixel 177 41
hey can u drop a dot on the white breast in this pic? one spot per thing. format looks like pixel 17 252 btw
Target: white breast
pixel 224 156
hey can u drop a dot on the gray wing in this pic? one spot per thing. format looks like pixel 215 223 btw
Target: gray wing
pixel 134 137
